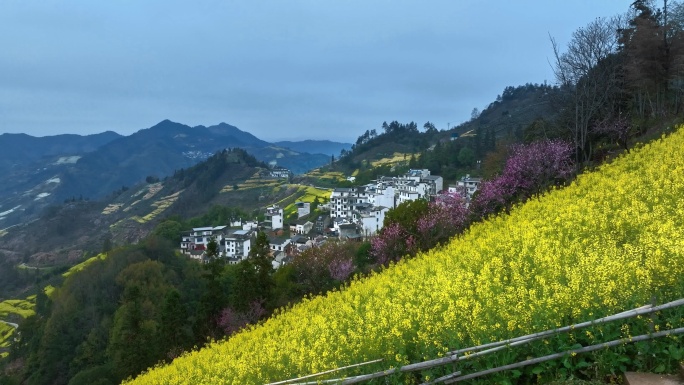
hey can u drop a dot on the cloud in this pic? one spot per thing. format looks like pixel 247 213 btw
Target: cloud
pixel 300 68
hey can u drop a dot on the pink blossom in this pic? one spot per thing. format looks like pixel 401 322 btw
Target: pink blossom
pixel 341 269
pixel 232 321
pixel 528 171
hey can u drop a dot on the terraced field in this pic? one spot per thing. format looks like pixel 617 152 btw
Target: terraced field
pixel 256 181
pixel 396 158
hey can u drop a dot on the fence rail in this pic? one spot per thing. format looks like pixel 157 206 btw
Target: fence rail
pixel 481 350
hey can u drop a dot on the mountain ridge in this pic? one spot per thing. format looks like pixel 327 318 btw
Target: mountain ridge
pixel 71 166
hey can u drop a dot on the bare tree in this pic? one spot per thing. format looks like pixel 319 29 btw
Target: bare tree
pixel 588 71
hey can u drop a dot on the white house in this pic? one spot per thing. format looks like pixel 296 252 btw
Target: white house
pixel 250 225
pixel 434 184
pixel 236 245
pixel 274 215
pixel 232 245
pixel 371 220
pixel 303 209
pixel 303 227
pixel 280 173
pixel 466 185
pixel 280 259
pixel 199 237
pixel 343 200
pixel 349 231
pixel 278 244
pixel 383 196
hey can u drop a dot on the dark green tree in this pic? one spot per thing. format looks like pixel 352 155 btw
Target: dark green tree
pixel 407 214
pixel 466 157
pixel 429 128
pixel 260 257
pixel 213 300
pixel 244 288
pixel 212 249
pixel 132 337
pixel 107 244
pixel 170 230
pixel 362 257
pixel 254 276
pixel 174 332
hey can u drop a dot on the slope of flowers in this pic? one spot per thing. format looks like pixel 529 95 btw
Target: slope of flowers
pixel 609 242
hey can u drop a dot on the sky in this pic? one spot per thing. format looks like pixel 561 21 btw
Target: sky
pixel 280 69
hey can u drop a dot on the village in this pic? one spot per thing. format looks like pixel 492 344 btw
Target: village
pixel 352 214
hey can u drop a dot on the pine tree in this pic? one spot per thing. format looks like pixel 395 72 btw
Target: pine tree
pixel 260 257
pixel 174 335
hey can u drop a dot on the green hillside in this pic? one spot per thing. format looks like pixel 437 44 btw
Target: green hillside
pixel 611 241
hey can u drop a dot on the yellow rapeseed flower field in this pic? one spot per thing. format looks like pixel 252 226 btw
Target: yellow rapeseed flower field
pixel 608 242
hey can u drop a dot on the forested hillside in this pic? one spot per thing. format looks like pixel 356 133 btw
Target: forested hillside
pixel 514 117
pixel 571 255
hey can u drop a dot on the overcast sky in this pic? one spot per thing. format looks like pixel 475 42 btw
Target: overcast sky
pixel 286 69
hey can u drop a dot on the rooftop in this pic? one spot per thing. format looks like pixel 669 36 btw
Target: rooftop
pixel 217 228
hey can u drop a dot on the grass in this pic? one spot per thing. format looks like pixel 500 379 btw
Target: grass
pixel 152 190
pixel 79 267
pixel 49 289
pixel 255 181
pixel 6 332
pixel 308 194
pixel 149 191
pixel 12 309
pixel 19 307
pixel 252 184
pixel 326 177
pixel 112 208
pixel 397 157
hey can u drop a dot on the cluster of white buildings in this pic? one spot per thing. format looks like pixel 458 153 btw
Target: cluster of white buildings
pixel 355 212
pixel 366 206
pixel 233 244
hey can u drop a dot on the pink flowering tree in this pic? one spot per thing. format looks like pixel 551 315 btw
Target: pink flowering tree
pixel 435 223
pixel 493 196
pixel 617 130
pixel 341 269
pixel 232 321
pixel 321 268
pixel 393 243
pixel 446 217
pixel 530 170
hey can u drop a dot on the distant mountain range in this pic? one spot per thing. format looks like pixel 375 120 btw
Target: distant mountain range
pixel 39 171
